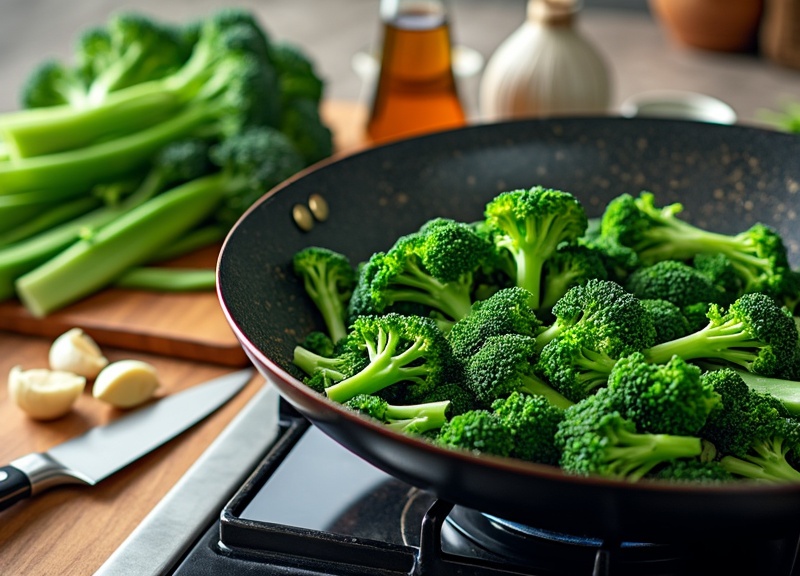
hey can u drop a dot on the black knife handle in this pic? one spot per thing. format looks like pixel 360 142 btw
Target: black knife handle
pixel 14 486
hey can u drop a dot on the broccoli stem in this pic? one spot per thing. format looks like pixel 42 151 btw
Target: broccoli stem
pixel 769 464
pixel 451 298
pixel 40 131
pixel 384 369
pixel 25 255
pixel 49 219
pixel 159 279
pixel 82 168
pixel 194 240
pixel 131 239
pixel 727 341
pixel 309 362
pixel 537 387
pixel 633 454
pixel 418 418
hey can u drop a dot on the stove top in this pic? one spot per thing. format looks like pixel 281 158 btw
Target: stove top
pixel 313 508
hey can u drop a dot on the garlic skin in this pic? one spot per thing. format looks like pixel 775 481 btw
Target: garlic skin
pixel 544 68
pixel 126 383
pixel 76 352
pixel 44 394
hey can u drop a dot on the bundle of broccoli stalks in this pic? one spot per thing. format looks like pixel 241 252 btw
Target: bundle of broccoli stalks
pixel 151 145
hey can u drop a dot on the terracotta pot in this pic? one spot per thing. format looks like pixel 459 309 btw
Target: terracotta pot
pixel 723 25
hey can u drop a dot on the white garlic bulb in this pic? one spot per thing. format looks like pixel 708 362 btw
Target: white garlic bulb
pixel 126 383
pixel 75 351
pixel 44 394
pixel 545 67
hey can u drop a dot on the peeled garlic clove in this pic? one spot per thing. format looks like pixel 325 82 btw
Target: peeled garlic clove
pixel 44 394
pixel 126 383
pixel 76 352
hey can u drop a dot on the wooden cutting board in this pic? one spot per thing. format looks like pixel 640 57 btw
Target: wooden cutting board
pixel 181 325
pixel 189 325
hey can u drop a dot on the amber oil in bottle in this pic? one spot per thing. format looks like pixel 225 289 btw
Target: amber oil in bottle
pixel 416 90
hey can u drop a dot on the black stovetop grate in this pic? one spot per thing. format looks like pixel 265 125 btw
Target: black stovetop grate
pixel 389 529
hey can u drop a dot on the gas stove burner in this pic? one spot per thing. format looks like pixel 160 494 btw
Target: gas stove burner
pixel 556 552
pixel 551 553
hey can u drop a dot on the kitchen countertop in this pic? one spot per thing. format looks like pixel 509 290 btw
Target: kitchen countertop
pixel 74 530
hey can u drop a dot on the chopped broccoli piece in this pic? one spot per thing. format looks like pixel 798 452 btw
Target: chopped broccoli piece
pixel 507 311
pixel 408 419
pixel 608 310
pixel 397 349
pixel 433 267
pixel 329 279
pixel 533 421
pixel 675 282
pixel 505 364
pixel 719 269
pixel 754 333
pixel 757 254
pixel 666 398
pixel 480 431
pixel 595 439
pixel 578 362
pixel 570 265
pixel 532 224
pixel 668 320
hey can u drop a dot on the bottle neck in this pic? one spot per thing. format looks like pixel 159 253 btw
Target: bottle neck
pixel 553 12
pixel 391 9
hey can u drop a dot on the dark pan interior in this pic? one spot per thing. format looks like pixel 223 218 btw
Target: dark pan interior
pixel 727 178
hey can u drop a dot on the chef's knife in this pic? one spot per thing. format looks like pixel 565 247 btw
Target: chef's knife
pixel 101 451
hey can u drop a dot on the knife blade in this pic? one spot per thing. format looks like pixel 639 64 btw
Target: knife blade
pixel 95 455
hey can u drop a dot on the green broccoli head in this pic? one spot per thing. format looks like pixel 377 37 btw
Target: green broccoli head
pixel 506 364
pixel 52 83
pixel 532 224
pixel 507 311
pixel 666 398
pixel 596 440
pixel 669 321
pixel 479 431
pixel 433 268
pixel 570 265
pixel 693 470
pixel 754 333
pixel 533 421
pixel 397 350
pixel 609 311
pixel 675 282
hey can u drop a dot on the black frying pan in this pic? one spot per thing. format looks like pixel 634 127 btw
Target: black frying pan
pixel 727 177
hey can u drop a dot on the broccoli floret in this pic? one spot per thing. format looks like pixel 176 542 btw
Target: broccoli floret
pixel 719 269
pixel 329 279
pixel 608 310
pixel 507 311
pixel 532 224
pixel 666 398
pixel 320 343
pixel 533 421
pixel 225 85
pixel 408 419
pixel 479 431
pixel 578 362
pixel 397 349
pixel 693 471
pixel 52 83
pixel 505 364
pixel 754 333
pixel 571 265
pixel 595 439
pixel 668 320
pixel 674 282
pixel 753 433
pixel 757 254
pixel 619 261
pixel 461 400
pixel 301 122
pixel 433 267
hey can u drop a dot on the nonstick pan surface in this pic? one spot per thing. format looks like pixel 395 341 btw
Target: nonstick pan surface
pixel 727 177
